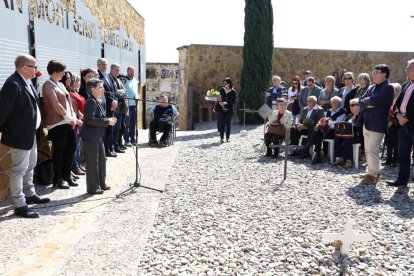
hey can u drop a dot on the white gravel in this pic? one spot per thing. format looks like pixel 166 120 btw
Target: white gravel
pixel 227 212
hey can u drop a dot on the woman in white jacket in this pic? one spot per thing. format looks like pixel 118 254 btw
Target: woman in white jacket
pixel 279 116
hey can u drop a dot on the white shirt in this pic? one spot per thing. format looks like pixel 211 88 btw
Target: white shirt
pixel 29 87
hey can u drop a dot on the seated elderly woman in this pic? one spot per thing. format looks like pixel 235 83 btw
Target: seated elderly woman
pixel 280 116
pixel 343 146
pixel 325 129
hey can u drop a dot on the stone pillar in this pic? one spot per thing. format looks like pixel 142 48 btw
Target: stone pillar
pixel 5 164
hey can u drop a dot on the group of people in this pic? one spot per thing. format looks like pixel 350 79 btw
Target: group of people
pixel 371 112
pixel 90 109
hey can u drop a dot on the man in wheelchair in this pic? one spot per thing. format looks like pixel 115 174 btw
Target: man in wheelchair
pixel 162 116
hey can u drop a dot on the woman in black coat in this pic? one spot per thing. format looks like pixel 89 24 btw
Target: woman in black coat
pixel 224 108
pixel 92 135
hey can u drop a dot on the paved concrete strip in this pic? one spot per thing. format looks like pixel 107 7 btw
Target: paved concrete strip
pixel 48 253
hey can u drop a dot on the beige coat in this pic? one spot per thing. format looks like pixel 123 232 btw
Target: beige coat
pixel 286 118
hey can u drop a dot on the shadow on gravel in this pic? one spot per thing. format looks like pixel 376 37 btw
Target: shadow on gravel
pixel 402 203
pixel 365 194
pixel 211 145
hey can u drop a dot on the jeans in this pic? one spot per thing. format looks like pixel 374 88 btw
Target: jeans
pixel 76 156
pixel 130 122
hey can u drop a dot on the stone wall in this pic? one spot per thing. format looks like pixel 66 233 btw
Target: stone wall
pixel 5 164
pixel 203 67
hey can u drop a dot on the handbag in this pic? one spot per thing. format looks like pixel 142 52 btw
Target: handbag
pixel 344 130
pixel 276 129
pixel 44 170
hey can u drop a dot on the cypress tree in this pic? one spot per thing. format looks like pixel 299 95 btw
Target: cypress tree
pixel 257 56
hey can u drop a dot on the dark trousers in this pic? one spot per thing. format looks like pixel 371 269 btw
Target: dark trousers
pixel 391 142
pixel 316 139
pixel 295 134
pixel 131 124
pixel 113 144
pixel 95 165
pixel 273 138
pixel 343 147
pixel 405 144
pixel 122 129
pixel 162 126
pixel 63 139
pixel 224 123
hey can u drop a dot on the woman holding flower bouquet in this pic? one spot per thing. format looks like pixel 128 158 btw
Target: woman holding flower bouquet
pixel 224 108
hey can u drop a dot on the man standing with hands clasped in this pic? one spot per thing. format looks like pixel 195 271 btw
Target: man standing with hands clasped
pixel 375 106
pixel 19 119
pixel 404 112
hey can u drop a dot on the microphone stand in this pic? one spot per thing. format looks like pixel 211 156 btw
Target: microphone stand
pixel 137 182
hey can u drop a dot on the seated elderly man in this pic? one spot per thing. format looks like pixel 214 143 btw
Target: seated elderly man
pixel 162 116
pixel 275 91
pixel 343 146
pixel 280 116
pixel 309 117
pixel 325 129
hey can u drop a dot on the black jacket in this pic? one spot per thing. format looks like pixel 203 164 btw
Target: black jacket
pixel 229 97
pixel 18 113
pixel 94 125
pixel 410 107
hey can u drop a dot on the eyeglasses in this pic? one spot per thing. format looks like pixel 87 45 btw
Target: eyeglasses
pixel 31 66
pixel 348 78
pixel 353 105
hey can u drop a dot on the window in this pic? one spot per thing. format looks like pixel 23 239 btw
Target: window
pixel 150 73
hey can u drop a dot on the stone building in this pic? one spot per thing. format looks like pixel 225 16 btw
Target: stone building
pixel 162 78
pixel 203 67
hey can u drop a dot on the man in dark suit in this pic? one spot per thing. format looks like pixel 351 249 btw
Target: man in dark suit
pixel 309 90
pixel 375 105
pixel 309 117
pixel 19 119
pixel 275 92
pixel 109 102
pixel 404 112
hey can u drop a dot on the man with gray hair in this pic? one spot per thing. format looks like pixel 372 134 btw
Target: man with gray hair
pixel 309 117
pixel 404 112
pixel 275 92
pixel 19 119
pixel 324 129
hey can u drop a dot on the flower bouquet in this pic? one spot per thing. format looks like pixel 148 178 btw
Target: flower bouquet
pixel 212 95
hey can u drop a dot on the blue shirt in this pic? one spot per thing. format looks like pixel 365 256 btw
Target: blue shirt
pixel 132 88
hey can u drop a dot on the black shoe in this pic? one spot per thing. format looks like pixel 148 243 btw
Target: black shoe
pixel 304 154
pixel 70 181
pixel 122 147
pixel 97 192
pixel 75 177
pixel 152 142
pixel 295 153
pixel 37 200
pixel 106 188
pixel 60 184
pixel 386 163
pixel 110 154
pixel 317 159
pixel 394 164
pixel 25 212
pixel 118 150
pixel 268 153
pixel 397 183
pixel 78 171
pixel 227 140
pixel 82 168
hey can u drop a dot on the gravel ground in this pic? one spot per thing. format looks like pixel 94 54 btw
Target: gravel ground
pixel 227 212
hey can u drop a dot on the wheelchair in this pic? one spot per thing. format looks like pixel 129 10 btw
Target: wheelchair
pixel 172 134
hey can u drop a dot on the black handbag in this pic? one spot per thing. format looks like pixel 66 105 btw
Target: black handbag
pixel 344 130
pixel 44 170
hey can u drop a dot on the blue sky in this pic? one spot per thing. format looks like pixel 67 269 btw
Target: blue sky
pixel 317 24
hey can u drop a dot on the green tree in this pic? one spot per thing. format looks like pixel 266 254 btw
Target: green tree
pixel 257 56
